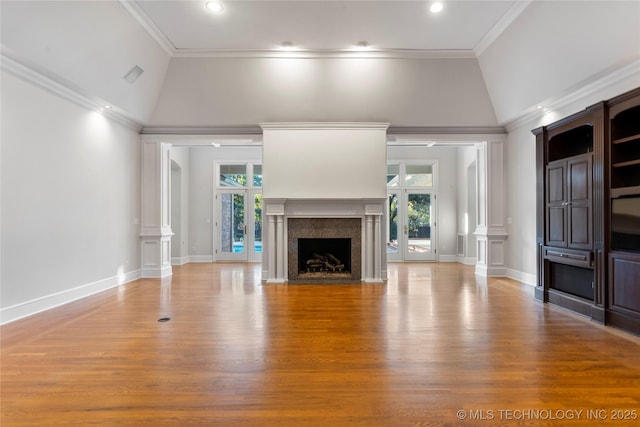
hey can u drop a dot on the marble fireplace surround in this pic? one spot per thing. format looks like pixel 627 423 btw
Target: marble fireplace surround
pixel 360 220
pixel 324 228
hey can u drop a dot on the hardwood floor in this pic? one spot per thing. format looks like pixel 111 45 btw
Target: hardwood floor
pixel 435 346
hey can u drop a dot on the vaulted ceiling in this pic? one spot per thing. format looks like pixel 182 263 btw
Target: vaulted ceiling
pixel 477 63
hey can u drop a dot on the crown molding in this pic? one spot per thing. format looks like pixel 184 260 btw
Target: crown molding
pixel 507 19
pixel 60 88
pixel 326 53
pixel 446 130
pixel 532 114
pixel 150 27
pixel 324 125
pixel 202 130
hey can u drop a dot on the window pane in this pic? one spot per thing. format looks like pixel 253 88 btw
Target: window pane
pixel 232 222
pixel 257 212
pixel 419 176
pixel 257 175
pixel 233 175
pixel 393 175
pixel 392 231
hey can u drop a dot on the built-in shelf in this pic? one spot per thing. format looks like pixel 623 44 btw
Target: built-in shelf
pixel 627 139
pixel 627 163
pixel 625 191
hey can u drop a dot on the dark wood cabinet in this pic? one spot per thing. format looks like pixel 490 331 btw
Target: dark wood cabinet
pixel 588 212
pixel 623 206
pixel 569 222
pixel 568 150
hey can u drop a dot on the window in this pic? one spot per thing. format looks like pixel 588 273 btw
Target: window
pixel 257 175
pixel 393 175
pixel 233 175
pixel 418 175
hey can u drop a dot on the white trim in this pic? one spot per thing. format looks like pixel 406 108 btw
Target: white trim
pixel 483 270
pixel 466 260
pixel 179 260
pixel 65 90
pixel 200 258
pixel 327 53
pixel 147 23
pixel 507 19
pixel 526 278
pixel 448 258
pixel 325 125
pixel 38 305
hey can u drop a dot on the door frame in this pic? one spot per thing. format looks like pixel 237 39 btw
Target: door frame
pixel 433 235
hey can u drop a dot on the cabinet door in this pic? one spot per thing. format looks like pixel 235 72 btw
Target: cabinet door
pixel 579 202
pixel 556 204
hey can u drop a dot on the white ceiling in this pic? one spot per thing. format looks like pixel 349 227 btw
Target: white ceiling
pixel 323 26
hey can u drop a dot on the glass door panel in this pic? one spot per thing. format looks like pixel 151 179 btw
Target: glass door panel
pixel 256 225
pixel 419 229
pixel 394 225
pixel 232 226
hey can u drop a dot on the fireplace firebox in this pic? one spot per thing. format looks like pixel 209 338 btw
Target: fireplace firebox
pixel 319 258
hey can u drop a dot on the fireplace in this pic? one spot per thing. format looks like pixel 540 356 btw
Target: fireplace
pixel 324 249
pixel 324 181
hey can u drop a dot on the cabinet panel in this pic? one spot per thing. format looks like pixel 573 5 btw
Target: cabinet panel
pixel 580 232
pixel 556 227
pixel 579 173
pixel 625 283
pixel 555 180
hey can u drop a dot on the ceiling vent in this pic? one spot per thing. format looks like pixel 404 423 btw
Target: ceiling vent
pixel 133 74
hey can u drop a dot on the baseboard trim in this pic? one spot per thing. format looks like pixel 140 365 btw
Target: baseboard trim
pixel 38 305
pixel 200 258
pixel 180 260
pixel 465 260
pixel 448 258
pixel 527 278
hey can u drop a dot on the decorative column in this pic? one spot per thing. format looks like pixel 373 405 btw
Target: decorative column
pixel 155 230
pixel 374 260
pixel 274 239
pixel 491 231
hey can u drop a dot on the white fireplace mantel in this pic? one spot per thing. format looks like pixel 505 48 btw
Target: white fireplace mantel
pixel 279 211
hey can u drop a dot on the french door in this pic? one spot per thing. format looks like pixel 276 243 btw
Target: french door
pixel 239 225
pixel 411 234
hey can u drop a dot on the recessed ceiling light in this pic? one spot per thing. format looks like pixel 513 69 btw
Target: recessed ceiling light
pixel 287 46
pixel 539 107
pixel 108 107
pixel 363 45
pixel 214 6
pixel 436 7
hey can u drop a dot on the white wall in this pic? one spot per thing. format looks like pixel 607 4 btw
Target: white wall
pixel 88 46
pixel 324 163
pixel 247 91
pixel 447 190
pixel 555 48
pixel 70 199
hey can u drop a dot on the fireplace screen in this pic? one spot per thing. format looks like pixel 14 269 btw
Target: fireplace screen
pixel 328 257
